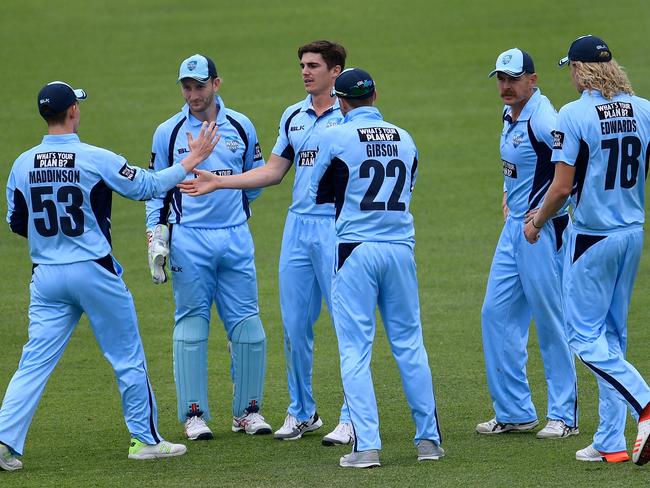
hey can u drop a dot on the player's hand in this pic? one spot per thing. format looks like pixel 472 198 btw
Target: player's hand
pixel 202 146
pixel 202 183
pixel 158 250
pixel 531 232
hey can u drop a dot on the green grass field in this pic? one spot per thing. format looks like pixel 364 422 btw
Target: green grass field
pixel 430 60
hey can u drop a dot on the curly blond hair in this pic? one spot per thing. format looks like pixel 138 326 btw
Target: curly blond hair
pixel 608 78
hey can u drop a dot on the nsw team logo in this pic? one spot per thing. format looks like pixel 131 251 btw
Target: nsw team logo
pixel 191 65
pixel 333 122
pixel 506 59
pixel 232 143
pixel 517 138
pixel 558 139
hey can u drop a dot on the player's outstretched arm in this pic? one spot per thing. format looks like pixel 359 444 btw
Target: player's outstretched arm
pixel 201 147
pixel 269 174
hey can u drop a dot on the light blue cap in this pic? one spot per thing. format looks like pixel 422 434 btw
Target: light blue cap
pixel 198 67
pixel 513 62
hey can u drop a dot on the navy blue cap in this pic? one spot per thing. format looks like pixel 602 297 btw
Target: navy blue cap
pixel 513 62
pixel 57 96
pixel 354 83
pixel 198 67
pixel 588 49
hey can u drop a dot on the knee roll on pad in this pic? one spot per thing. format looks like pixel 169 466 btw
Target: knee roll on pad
pixel 248 365
pixel 191 366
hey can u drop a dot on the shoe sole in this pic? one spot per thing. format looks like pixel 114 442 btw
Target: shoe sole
pixel 429 458
pixel 614 457
pixel 146 457
pixel 143 457
pixel 360 465
pixel 204 436
pixel 262 431
pixel 573 432
pixel 332 442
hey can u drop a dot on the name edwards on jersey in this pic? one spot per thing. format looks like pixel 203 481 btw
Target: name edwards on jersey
pixel 54 167
pixel 616 110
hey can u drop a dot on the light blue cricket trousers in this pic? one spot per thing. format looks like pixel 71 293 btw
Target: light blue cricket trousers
pixel 599 276
pixel 384 274
pixel 59 295
pixel 525 281
pixel 305 276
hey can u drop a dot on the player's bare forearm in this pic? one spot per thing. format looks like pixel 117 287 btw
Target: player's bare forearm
pixel 270 174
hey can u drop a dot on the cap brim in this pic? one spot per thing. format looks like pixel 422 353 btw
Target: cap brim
pixel 195 78
pixel 509 73
pixel 80 94
pixel 563 62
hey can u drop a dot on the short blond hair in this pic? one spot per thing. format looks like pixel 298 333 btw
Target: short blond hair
pixel 608 78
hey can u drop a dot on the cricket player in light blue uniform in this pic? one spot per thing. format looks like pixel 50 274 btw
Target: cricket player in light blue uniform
pixel 525 281
pixel 601 151
pixel 367 168
pixel 59 197
pixel 308 242
pixel 211 255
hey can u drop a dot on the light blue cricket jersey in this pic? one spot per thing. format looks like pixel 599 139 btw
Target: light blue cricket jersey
pixel 526 154
pixel 367 167
pixel 236 152
pixel 59 197
pixel 298 140
pixel 608 143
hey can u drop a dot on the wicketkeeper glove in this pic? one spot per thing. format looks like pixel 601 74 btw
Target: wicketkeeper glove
pixel 158 243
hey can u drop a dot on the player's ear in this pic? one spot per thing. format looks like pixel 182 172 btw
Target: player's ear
pixel 216 84
pixel 336 70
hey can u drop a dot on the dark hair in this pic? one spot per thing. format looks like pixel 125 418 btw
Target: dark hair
pixel 333 53
pixel 54 118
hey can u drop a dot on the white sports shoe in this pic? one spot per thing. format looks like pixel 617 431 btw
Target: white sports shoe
pixel 8 461
pixel 492 427
pixel 590 453
pixel 292 430
pixel 140 450
pixel 251 423
pixel 360 459
pixel 341 435
pixel 196 429
pixel 557 429
pixel 641 451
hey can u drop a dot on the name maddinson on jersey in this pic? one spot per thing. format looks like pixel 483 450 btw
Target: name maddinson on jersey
pixel 377 150
pixel 369 134
pixel 58 175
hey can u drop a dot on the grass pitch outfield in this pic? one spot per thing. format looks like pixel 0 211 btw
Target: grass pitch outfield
pixel 430 60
